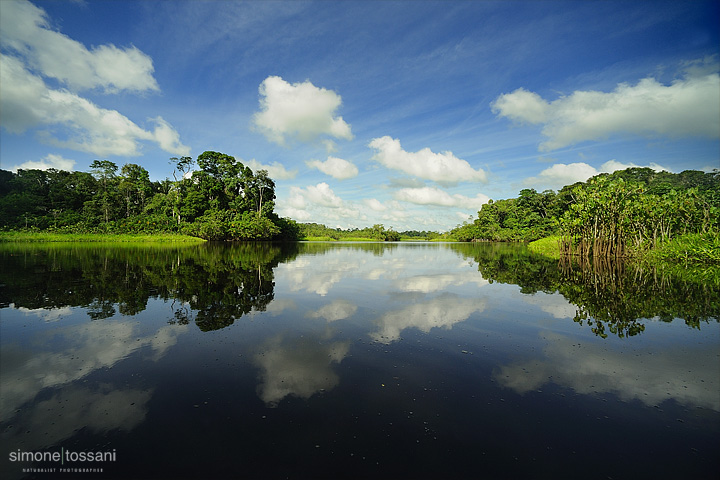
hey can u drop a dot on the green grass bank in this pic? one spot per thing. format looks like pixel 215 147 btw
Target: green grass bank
pixel 47 237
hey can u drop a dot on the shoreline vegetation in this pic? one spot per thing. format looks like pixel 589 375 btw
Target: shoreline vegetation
pixel 50 237
pixel 698 248
pixel 637 213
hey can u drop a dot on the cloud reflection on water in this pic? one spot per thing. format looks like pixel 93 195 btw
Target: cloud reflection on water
pixel 24 371
pixel 439 282
pixel 47 314
pixel 301 367
pixel 52 420
pixel 684 375
pixel 335 310
pixel 443 311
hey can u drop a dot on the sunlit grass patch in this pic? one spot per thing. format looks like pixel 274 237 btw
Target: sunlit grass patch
pixel 690 248
pixel 548 246
pixel 45 237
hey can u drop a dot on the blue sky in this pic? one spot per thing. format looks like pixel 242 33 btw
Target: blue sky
pixel 406 113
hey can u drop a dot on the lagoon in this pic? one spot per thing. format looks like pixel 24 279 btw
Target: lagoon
pixel 354 360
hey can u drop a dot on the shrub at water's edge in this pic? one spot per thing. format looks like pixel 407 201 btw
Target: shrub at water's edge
pixel 701 248
pixel 692 257
pixel 693 248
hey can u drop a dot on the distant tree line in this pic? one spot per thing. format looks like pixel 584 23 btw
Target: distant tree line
pixel 221 200
pixel 377 232
pixel 610 215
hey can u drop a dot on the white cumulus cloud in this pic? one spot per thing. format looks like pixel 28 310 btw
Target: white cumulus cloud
pixel 374 204
pixel 276 170
pixel 32 52
pixel 320 194
pixel 688 107
pixel 299 110
pixel 47 162
pixel 561 174
pixel 436 196
pixel 335 167
pixel 443 168
pixel 26 102
pixel 26 30
pixel 320 204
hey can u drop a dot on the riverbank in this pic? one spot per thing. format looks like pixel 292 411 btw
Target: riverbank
pixel 694 249
pixel 47 237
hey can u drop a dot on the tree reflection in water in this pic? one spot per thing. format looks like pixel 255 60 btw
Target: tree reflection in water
pixel 612 297
pixel 213 285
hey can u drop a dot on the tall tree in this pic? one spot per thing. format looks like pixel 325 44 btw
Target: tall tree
pixel 135 188
pixel 106 197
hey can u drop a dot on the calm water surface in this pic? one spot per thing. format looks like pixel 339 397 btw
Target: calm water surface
pixel 352 361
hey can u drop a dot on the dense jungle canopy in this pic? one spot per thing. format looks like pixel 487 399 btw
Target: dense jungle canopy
pixel 221 200
pixel 610 215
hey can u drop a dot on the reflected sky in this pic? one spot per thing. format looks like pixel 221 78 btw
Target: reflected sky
pixel 62 354
pixel 422 339
pixel 300 366
pixel 688 375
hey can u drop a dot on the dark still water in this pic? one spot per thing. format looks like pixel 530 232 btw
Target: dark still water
pixel 319 360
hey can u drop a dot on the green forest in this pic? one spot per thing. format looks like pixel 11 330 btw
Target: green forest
pixel 221 200
pixel 216 197
pixel 623 214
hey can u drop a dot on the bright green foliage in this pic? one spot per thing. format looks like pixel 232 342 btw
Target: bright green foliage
pixel 224 225
pixel 223 200
pixel 611 215
pixel 614 217
pixel 526 218
pixel 548 246
pixel 690 248
pixel 135 188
